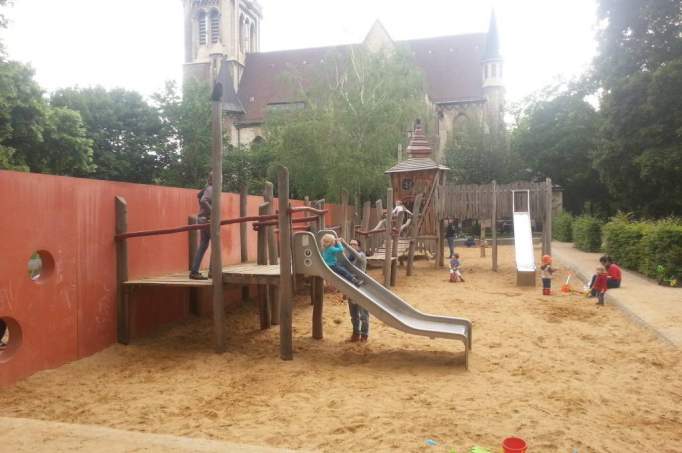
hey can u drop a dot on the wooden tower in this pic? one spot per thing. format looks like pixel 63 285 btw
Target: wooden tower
pixel 420 179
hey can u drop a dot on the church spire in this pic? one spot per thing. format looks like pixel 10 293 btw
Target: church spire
pixel 492 48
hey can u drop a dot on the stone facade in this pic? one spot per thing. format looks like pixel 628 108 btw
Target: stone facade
pixel 464 73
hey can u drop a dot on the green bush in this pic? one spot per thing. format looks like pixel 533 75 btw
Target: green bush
pixel 562 227
pixel 587 233
pixel 622 240
pixel 662 251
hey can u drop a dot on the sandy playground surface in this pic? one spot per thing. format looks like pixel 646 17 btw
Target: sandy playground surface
pixel 556 371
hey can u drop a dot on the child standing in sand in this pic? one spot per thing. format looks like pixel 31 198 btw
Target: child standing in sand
pixel 600 284
pixel 455 269
pixel 331 247
pixel 546 271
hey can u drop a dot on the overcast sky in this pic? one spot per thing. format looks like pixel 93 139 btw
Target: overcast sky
pixel 138 44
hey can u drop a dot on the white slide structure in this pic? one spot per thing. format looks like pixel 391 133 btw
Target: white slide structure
pixel 380 302
pixel 523 243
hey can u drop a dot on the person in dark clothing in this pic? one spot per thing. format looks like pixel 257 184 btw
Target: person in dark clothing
pixel 450 235
pixel 205 197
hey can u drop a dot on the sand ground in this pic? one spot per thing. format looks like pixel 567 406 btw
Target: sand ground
pixel 556 371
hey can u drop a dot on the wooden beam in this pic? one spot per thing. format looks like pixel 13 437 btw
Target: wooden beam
pixel 317 296
pixel 193 237
pixel 273 297
pixel 216 243
pixel 388 237
pixel 122 295
pixel 243 235
pixel 262 259
pixel 286 345
pixel 413 240
pixel 548 216
pixel 494 224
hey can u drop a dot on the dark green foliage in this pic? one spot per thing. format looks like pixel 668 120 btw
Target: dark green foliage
pixel 662 250
pixel 651 247
pixel 562 227
pixel 476 156
pixel 357 110
pixel 622 241
pixel 127 132
pixel 35 136
pixel 587 233
pixel 557 138
pixel 639 69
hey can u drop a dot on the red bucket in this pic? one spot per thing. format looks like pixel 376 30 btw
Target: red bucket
pixel 514 445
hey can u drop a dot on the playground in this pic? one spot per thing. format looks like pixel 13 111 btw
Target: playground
pixel 554 370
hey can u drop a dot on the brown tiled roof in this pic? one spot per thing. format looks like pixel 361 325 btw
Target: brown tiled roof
pixel 451 64
pixel 416 164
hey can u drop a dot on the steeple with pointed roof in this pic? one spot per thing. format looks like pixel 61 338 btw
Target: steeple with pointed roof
pixel 492 47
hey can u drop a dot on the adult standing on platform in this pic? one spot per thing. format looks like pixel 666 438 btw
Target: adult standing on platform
pixel 205 196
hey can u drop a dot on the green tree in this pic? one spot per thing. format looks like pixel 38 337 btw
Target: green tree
pixel 557 138
pixel 186 121
pixel 476 156
pixel 639 68
pixel 356 109
pixel 33 135
pixel 127 133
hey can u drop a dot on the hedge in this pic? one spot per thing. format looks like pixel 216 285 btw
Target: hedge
pixel 587 233
pixel 562 227
pixel 653 248
pixel 622 241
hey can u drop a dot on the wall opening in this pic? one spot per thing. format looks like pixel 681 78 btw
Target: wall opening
pixel 40 265
pixel 10 338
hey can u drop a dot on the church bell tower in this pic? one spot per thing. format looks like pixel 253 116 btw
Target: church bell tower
pixel 227 29
pixel 492 66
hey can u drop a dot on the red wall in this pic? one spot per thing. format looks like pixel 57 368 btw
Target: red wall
pixel 72 313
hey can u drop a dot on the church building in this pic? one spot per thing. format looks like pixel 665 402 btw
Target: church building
pixel 463 73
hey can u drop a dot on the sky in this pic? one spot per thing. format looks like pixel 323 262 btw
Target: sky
pixel 138 44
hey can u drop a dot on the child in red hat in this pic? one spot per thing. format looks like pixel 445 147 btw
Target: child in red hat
pixel 546 271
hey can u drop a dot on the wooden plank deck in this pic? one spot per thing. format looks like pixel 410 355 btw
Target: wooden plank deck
pixel 246 274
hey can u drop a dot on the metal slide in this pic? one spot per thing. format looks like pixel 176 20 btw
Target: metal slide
pixel 379 301
pixel 523 243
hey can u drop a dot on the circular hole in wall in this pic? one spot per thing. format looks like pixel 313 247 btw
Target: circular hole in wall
pixel 10 338
pixel 40 265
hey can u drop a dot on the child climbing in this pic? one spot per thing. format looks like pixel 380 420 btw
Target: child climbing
pixel 359 317
pixel 546 272
pixel 331 247
pixel 455 269
pixel 600 284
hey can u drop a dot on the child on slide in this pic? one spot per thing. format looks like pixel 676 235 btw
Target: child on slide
pixel 331 247
pixel 455 269
pixel 359 317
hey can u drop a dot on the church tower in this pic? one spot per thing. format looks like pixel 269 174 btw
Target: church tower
pixel 227 29
pixel 492 67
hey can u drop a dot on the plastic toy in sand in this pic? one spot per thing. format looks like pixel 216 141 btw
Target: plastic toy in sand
pixel 514 445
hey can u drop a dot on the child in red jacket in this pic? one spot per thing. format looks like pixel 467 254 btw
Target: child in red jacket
pixel 600 284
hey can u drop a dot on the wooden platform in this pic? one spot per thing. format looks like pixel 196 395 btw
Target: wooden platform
pixel 380 253
pixel 239 274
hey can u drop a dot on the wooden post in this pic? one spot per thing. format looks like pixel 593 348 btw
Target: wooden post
pixel 216 243
pixel 482 245
pixel 548 216
pixel 440 253
pixel 415 233
pixel 344 215
pixel 376 239
pixel 286 342
pixel 494 223
pixel 317 296
pixel 322 220
pixel 122 299
pixel 273 298
pixel 388 237
pixel 243 238
pixel 191 251
pixel 262 259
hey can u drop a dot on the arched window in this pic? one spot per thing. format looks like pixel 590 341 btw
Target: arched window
pixel 202 26
pixel 252 38
pixel 215 27
pixel 242 38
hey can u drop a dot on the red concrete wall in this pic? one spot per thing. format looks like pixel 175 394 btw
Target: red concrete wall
pixel 71 314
